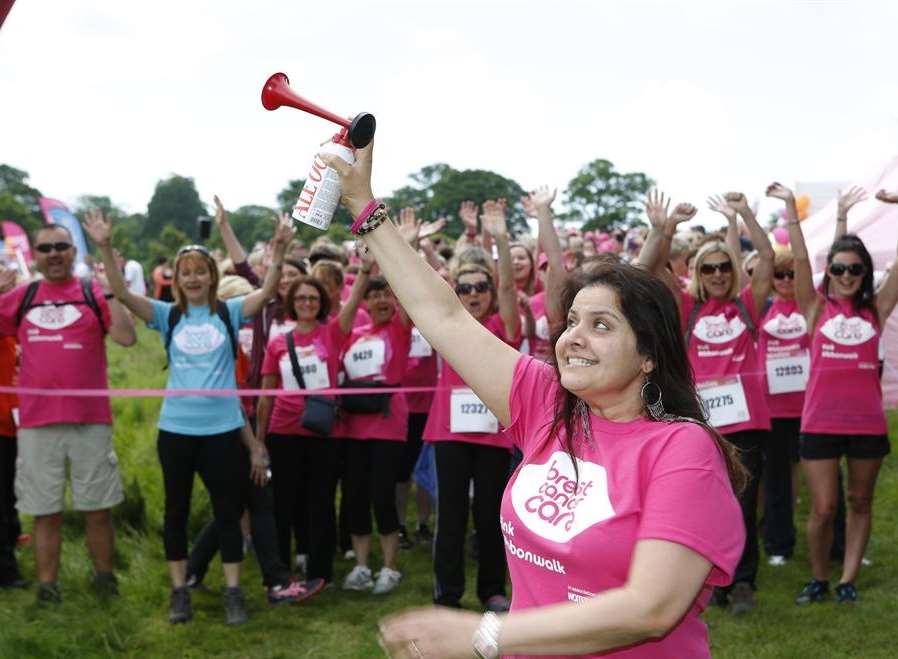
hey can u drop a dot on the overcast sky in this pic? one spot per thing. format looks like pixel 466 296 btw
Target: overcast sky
pixel 108 97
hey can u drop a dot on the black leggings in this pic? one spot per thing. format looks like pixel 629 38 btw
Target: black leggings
pixel 412 446
pixel 9 518
pixel 220 460
pixel 370 480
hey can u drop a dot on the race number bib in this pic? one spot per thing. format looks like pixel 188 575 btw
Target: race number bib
pixel 724 401
pixel 788 372
pixel 365 359
pixel 314 371
pixel 420 347
pixel 246 340
pixel 467 413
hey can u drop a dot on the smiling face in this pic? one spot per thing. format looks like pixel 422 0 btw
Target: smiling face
pixel 784 279
pixel 193 278
pixel 381 305
pixel 845 284
pixel 521 265
pixel 57 265
pixel 288 274
pixel 716 273
pixel 475 293
pixel 597 356
pixel 307 303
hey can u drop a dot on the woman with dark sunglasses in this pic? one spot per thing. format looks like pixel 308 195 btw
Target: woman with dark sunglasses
pixel 198 435
pixel 467 439
pixel 720 322
pixel 843 412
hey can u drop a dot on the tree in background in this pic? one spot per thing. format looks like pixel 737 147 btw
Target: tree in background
pixel 603 198
pixel 175 203
pixel 18 200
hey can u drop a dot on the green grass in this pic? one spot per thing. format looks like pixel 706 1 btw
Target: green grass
pixel 337 624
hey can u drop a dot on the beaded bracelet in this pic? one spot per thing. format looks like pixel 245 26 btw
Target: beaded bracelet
pixel 366 213
pixel 378 217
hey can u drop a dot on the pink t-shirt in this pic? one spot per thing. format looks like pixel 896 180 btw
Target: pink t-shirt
pixel 421 372
pixel 540 345
pixel 567 541
pixel 844 395
pixel 440 420
pixel 378 353
pixel 783 345
pixel 318 354
pixel 728 374
pixel 63 347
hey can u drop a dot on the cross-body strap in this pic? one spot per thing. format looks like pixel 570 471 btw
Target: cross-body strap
pixel 294 362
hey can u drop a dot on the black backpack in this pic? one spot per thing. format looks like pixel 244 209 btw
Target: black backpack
pixel 223 312
pixel 86 289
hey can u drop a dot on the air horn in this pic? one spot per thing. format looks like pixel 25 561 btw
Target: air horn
pixel 319 197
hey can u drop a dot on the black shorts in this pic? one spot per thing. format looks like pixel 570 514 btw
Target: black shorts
pixel 817 446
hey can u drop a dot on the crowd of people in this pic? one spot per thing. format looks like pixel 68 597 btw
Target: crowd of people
pixel 609 408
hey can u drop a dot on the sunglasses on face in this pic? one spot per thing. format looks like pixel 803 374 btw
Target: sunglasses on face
pixel 784 274
pixel 710 268
pixel 46 248
pixel 839 269
pixel 467 289
pixel 193 248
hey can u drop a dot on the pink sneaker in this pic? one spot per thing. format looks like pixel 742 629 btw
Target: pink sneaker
pixel 295 591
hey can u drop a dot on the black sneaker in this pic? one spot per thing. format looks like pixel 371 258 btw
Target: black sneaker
pixel 846 593
pixel 742 598
pixel 404 542
pixel 235 609
pixel 181 609
pixel 48 593
pixel 106 585
pixel 814 591
pixel 14 580
pixel 424 536
pixel 719 597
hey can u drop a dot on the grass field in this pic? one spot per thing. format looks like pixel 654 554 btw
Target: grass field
pixel 338 624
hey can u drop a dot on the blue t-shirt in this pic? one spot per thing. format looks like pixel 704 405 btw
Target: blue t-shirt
pixel 200 357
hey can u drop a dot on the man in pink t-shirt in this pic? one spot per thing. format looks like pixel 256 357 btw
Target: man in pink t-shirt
pixel 61 330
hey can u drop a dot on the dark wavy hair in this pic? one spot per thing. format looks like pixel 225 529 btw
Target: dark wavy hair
pixel 864 297
pixel 324 305
pixel 650 309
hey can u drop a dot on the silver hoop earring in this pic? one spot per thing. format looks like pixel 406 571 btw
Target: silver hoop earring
pixel 655 409
pixel 582 411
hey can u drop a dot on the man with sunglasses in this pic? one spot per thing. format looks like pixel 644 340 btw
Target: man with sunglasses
pixel 63 346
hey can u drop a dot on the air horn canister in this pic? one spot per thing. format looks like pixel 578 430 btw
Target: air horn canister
pixel 321 194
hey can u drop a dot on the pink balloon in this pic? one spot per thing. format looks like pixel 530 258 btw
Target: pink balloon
pixel 781 236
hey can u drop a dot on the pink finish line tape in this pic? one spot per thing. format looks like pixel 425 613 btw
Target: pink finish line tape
pixel 208 393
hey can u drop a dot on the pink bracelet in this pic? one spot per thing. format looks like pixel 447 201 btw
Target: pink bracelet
pixel 363 216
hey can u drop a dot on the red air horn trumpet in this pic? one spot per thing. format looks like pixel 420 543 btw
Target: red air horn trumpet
pixel 277 92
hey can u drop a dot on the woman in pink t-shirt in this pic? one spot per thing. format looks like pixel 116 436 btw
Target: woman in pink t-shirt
pixel 843 413
pixel 303 463
pixel 661 526
pixel 720 323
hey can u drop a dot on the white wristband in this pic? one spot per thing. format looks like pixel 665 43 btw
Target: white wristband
pixel 486 638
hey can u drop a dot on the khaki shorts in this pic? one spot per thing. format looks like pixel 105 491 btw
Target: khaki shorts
pixel 41 468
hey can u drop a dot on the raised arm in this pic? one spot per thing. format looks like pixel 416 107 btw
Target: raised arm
pixel 356 294
pixel 887 296
pixel 762 276
pixel 805 294
pixel 235 250
pixel 283 234
pixel 99 228
pixel 485 362
pixel 121 323
pixel 655 252
pixel 493 221
pixel 717 204
pixel 468 213
pixel 538 204
pixel 847 199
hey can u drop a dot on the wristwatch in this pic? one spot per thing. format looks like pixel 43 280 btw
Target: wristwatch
pixel 486 638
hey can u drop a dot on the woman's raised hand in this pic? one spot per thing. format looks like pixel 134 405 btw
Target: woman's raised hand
pixel 430 228
pixel 283 234
pixel 97 226
pixel 737 201
pixel 409 227
pixel 887 197
pixel 538 200
pixel 657 207
pixel 219 211
pixel 355 179
pixel 681 213
pixel 779 191
pixel 467 213
pixel 717 204
pixel 848 198
pixel 493 217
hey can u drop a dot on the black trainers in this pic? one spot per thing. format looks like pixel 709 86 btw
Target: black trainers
pixel 814 591
pixel 48 593
pixel 719 597
pixel 742 598
pixel 235 606
pixel 106 585
pixel 404 541
pixel 181 610
pixel 846 593
pixel 424 536
pixel 13 580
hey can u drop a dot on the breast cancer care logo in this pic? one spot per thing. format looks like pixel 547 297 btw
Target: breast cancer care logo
pixel 848 331
pixel 50 317
pixel 786 327
pixel 717 329
pixel 552 503
pixel 198 339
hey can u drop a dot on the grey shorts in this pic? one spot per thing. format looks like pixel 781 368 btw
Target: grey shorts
pixel 41 468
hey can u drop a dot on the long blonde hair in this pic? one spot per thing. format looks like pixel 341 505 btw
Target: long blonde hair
pixel 696 289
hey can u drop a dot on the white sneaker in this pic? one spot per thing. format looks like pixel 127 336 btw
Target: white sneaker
pixel 387 580
pixel 302 563
pixel 358 579
pixel 349 555
pixel 776 560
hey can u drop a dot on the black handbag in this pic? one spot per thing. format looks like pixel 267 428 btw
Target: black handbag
pixel 320 411
pixel 365 403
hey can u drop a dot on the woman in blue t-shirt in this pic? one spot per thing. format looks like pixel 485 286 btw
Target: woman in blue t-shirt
pixel 198 434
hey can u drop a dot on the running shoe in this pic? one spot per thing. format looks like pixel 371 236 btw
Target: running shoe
pixel 302 564
pixel 846 593
pixel 180 610
pixel 349 555
pixel 404 541
pixel 106 585
pixel 497 604
pixel 48 593
pixel 814 591
pixel 358 579
pixel 742 598
pixel 387 580
pixel 295 591
pixel 424 536
pixel 777 560
pixel 235 606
